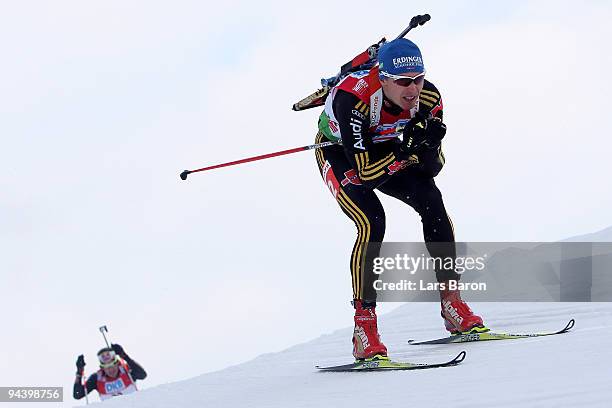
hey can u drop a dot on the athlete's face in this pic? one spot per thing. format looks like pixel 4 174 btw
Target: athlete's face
pixel 405 97
pixel 111 371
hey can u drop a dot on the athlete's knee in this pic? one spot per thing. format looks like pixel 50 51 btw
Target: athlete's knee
pixel 429 200
pixel 378 227
pixel 371 227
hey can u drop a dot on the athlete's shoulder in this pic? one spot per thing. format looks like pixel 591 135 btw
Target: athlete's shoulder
pixel 430 98
pixel 358 84
pixel 430 89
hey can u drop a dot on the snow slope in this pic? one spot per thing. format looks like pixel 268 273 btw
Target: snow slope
pixel 605 235
pixel 572 369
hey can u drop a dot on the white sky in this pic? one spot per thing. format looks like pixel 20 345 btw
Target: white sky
pixel 105 102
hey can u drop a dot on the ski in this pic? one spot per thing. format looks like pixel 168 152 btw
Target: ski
pixel 390 365
pixel 485 336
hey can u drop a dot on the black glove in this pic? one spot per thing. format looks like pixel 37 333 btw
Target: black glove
pixel 80 363
pixel 414 134
pixel 435 131
pixel 118 350
pixel 421 132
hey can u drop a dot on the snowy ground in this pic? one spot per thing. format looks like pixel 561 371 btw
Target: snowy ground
pixel 573 369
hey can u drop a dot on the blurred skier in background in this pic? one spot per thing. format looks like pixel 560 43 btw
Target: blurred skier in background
pixel 389 119
pixel 117 374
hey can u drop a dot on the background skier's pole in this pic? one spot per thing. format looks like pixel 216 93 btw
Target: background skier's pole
pixel 84 381
pixel 104 331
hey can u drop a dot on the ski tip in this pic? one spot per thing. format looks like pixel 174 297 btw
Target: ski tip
pixel 570 325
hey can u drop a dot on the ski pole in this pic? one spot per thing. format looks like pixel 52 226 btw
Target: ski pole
pixel 84 381
pixel 103 330
pixel 185 173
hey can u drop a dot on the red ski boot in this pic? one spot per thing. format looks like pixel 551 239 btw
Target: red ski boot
pixel 366 340
pixel 457 315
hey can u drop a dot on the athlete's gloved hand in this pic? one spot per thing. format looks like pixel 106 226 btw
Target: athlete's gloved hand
pixel 434 133
pixel 80 364
pixel 414 134
pixel 118 350
pixel 422 132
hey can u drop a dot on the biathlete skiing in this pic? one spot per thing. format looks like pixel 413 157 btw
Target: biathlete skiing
pixel 389 119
